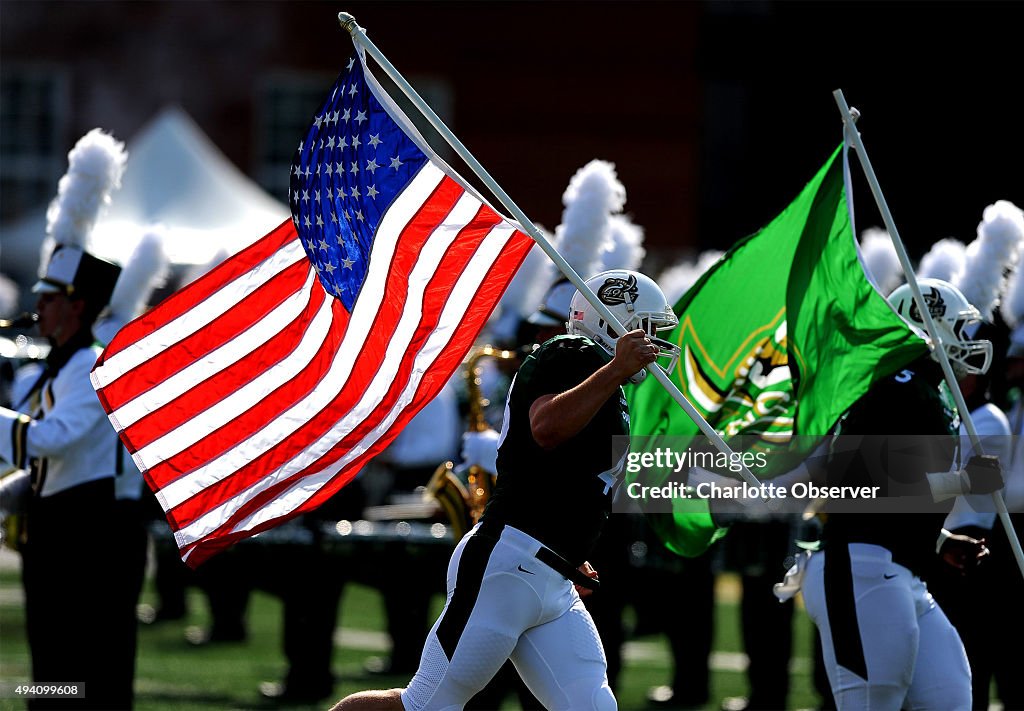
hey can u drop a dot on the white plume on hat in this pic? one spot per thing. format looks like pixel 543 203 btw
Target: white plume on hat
pixel 677 279
pixel 146 270
pixel 945 260
pixel 625 249
pixel 95 167
pixel 593 196
pixel 880 259
pixel 989 258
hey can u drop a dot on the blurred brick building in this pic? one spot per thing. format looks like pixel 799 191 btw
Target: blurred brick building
pixel 715 113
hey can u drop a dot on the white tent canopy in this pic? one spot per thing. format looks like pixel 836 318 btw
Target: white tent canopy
pixel 174 176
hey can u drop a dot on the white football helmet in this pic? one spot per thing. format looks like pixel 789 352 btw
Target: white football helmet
pixel 953 316
pixel 636 301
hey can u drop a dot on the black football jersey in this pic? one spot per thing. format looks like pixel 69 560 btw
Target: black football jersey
pixel 557 495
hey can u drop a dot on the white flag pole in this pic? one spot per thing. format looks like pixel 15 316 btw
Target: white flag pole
pixel 348 23
pixel 938 349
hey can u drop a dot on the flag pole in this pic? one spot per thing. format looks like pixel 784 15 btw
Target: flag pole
pixel 349 24
pixel 943 358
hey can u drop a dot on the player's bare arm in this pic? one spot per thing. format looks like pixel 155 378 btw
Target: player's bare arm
pixel 557 417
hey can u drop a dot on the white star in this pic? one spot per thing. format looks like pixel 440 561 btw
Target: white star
pixel 347 216
pixel 334 217
pixel 360 117
pixel 330 268
pixel 330 142
pixel 334 117
pixel 318 170
pixel 305 196
pixel 375 140
pixel 342 143
pixel 347 263
pixel 318 120
pixel 321 146
pixel 309 243
pixel 372 192
pixel 359 215
pixel 355 142
pixel 308 223
pixel 371 165
pixel 341 192
pixel 295 170
pixel 353 90
pixel 295 221
pixel 323 244
pixel 330 192
pixel 354 169
pixel 337 289
pixel 395 163
pixel 316 195
pixel 307 173
pixel 300 146
pixel 347 115
pixel 319 220
pixel 355 191
pixel 337 168
pixel 330 170
pixel 351 61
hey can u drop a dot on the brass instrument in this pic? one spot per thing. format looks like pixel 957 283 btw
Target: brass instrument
pixel 463 495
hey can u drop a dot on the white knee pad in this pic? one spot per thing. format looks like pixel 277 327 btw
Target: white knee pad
pixel 604 699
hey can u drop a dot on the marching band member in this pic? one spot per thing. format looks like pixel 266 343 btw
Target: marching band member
pixel 82 557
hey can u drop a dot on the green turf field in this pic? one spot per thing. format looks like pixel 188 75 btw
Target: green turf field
pixel 173 675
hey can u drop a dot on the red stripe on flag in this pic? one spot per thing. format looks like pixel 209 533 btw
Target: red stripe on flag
pixel 198 291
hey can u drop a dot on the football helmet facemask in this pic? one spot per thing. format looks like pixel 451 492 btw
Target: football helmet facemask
pixel 953 316
pixel 637 302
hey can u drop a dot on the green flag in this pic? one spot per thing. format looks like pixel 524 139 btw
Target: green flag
pixel 780 337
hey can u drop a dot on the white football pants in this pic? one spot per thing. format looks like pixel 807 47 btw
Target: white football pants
pixel 886 644
pixel 503 603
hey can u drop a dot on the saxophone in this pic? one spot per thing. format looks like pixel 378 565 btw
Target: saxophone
pixel 463 495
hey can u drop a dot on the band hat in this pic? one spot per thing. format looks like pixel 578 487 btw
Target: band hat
pixel 555 309
pixel 96 164
pixel 75 273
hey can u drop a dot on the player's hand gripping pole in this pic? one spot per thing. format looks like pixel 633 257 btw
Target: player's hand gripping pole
pixel 348 23
pixel 853 136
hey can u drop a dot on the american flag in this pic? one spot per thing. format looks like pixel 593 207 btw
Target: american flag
pixel 255 393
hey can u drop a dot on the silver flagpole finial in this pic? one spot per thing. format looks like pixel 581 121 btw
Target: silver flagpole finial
pixel 347 22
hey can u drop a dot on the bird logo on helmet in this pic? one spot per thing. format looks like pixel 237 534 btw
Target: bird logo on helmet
pixel 617 291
